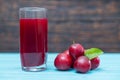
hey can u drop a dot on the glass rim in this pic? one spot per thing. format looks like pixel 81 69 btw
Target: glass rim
pixel 32 9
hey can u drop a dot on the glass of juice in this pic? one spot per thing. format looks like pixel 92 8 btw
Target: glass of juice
pixel 33 38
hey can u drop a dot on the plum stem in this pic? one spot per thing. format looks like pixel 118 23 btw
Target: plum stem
pixel 73 42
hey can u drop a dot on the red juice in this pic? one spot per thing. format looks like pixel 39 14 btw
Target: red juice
pixel 33 41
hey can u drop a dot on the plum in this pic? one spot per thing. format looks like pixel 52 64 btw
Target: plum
pixel 82 64
pixel 95 63
pixel 76 50
pixel 63 61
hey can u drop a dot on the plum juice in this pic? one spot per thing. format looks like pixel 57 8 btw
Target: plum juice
pixel 33 41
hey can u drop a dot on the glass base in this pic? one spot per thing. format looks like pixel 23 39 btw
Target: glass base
pixel 35 68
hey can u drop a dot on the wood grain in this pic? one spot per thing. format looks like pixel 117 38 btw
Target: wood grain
pixel 93 23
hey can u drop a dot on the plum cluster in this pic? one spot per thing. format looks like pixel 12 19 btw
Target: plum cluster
pixel 75 58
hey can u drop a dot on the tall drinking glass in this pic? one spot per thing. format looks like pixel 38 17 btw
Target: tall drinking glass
pixel 33 38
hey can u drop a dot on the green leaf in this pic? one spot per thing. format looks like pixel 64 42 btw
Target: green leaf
pixel 93 52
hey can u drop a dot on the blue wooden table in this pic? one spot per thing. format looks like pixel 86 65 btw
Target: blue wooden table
pixel 10 69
